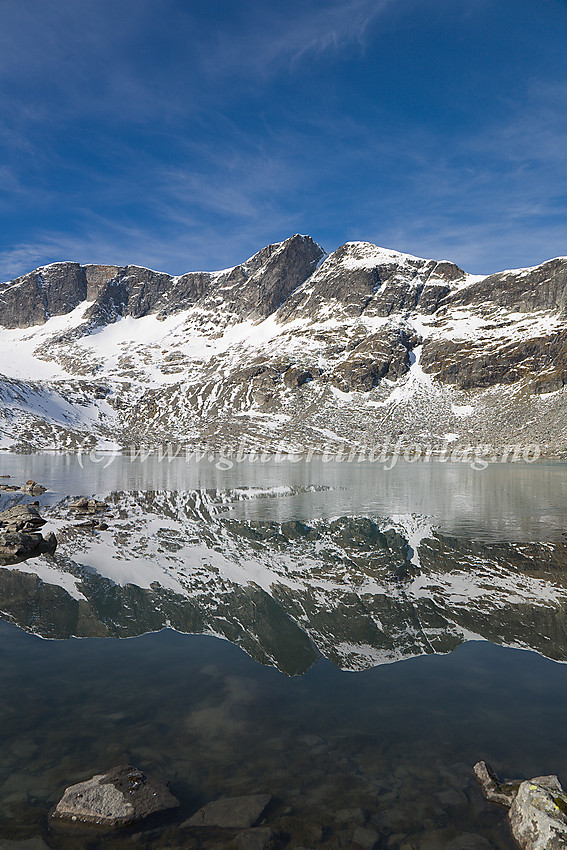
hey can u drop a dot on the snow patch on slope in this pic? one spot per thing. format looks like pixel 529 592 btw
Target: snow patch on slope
pixel 17 347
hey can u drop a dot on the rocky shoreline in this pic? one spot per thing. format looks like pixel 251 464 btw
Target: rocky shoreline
pixel 20 538
pixel 386 452
pixel 124 796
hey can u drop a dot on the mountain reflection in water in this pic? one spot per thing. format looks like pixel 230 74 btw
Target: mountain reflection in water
pixel 361 589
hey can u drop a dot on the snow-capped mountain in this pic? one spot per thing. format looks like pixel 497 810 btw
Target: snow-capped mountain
pixel 291 348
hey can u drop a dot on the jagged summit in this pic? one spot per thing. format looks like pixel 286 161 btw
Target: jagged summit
pixel 290 345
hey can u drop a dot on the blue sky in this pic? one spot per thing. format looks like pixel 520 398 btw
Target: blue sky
pixel 187 135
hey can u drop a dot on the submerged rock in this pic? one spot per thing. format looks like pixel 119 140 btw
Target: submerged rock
pixel 537 808
pixel 232 813
pixel 122 796
pixel 365 839
pixel 255 839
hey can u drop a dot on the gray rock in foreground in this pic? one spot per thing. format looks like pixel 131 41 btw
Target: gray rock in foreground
pixel 537 808
pixel 538 815
pixel 232 813
pixel 19 537
pixel 122 796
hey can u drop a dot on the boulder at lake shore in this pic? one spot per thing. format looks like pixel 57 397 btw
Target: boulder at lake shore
pixel 537 808
pixel 122 796
pixel 21 518
pixel 19 536
pixel 494 789
pixel 33 488
pixel 18 546
pixel 538 815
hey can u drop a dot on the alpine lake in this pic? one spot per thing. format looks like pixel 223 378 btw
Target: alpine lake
pixel 347 638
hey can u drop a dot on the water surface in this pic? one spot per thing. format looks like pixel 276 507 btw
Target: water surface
pixel 348 740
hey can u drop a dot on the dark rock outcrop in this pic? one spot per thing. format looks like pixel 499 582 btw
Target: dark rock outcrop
pixel 259 286
pixel 19 538
pixel 541 288
pixel 18 546
pixel 295 376
pixel 541 361
pixel 378 356
pixel 49 291
pixel 21 518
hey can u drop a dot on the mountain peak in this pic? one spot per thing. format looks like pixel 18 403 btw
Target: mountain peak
pixel 289 345
pixel 254 288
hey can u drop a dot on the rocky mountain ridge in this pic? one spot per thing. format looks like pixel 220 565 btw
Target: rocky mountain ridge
pixel 290 348
pixel 262 283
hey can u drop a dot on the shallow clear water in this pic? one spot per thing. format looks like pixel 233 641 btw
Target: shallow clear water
pixel 393 743
pixel 396 741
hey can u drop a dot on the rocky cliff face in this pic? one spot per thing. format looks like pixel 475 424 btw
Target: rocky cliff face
pixel 524 291
pixel 50 291
pixel 290 346
pixel 361 278
pixel 253 289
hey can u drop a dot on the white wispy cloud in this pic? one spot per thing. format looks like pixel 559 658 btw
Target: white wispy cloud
pixel 310 29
